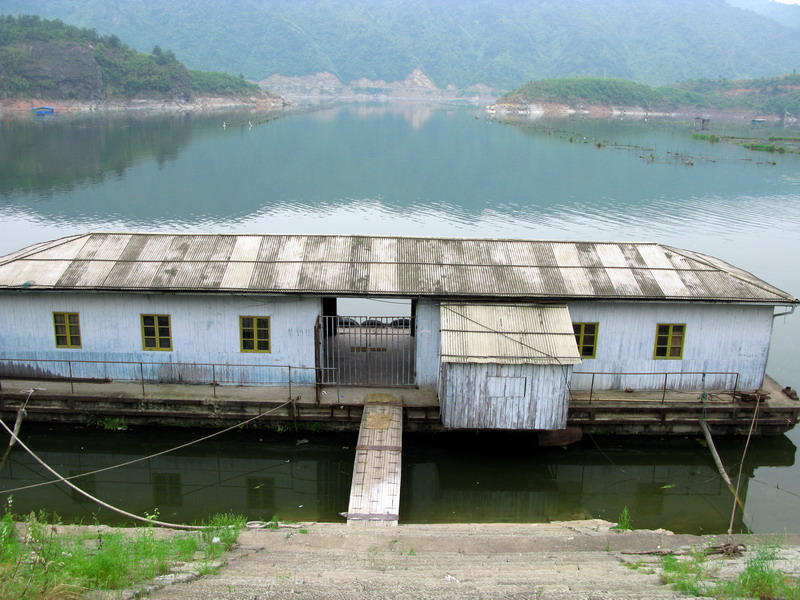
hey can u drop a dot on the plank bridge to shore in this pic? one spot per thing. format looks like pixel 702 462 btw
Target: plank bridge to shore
pixel 375 490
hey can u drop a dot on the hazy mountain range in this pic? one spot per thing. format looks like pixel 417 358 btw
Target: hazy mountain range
pixel 501 43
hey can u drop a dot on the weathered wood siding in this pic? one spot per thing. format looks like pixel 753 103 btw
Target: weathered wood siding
pixel 486 396
pixel 205 329
pixel 428 343
pixel 719 337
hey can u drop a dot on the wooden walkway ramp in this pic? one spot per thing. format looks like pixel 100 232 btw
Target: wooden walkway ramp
pixel 375 491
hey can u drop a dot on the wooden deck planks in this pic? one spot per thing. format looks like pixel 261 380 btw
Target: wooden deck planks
pixel 375 490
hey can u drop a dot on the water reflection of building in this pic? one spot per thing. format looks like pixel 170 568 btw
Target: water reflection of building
pixel 672 484
pixel 260 480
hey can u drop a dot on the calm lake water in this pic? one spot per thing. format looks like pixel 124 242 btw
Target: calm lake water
pixel 429 171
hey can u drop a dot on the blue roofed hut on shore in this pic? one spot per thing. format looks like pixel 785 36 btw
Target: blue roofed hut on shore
pixel 43 110
pixel 503 334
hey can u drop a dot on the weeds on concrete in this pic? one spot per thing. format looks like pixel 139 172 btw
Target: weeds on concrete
pixel 759 578
pixel 39 561
pixel 107 423
pixel 686 575
pixel 624 522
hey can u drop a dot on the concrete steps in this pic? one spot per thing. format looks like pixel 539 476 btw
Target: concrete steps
pixel 335 562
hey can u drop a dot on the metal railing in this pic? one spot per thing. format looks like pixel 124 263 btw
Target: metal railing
pixel 164 373
pixel 667 378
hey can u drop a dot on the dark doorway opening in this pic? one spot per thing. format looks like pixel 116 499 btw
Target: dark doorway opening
pixel 365 350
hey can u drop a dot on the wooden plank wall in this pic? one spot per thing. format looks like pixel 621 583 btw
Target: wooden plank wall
pixel 494 396
pixel 719 337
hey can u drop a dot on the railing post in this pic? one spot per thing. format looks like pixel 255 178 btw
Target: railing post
pixel 735 387
pixel 71 382
pixel 290 382
pixel 591 389
pixel 664 392
pixel 214 379
pixel 141 375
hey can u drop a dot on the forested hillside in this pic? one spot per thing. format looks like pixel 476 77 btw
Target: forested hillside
pixel 48 59
pixel 788 14
pixel 502 43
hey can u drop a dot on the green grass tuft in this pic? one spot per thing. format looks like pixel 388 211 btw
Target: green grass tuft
pixel 624 522
pixel 39 561
pixel 759 579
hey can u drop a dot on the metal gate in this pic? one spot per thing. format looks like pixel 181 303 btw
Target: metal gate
pixel 366 350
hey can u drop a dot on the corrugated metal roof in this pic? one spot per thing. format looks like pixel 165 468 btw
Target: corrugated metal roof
pixel 382 266
pixel 508 334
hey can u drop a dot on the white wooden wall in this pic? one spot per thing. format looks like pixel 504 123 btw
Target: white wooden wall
pixel 493 396
pixel 205 329
pixel 719 337
pixel 428 343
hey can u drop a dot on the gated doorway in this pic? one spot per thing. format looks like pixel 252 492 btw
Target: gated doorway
pixel 366 350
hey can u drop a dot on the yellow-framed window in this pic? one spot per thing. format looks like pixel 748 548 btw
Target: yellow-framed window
pixel 586 338
pixel 156 332
pixel 67 329
pixel 669 341
pixel 254 334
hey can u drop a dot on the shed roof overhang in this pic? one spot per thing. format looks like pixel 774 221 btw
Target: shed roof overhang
pixel 508 334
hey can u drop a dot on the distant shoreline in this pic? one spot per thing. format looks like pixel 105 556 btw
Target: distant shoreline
pixel 15 105
pixel 552 109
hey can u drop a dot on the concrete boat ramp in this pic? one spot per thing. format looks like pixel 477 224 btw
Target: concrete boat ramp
pixel 578 560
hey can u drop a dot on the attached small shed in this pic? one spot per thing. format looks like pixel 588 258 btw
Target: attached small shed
pixel 506 366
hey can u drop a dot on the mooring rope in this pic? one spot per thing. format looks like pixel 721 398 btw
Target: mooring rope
pixel 741 465
pixel 721 468
pixel 157 454
pixel 97 500
pixel 130 515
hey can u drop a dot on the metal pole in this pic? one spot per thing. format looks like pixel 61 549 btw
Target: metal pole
pixel 214 379
pixel 664 393
pixel 591 389
pixel 71 382
pixel 141 374
pixel 290 382
pixel 368 339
